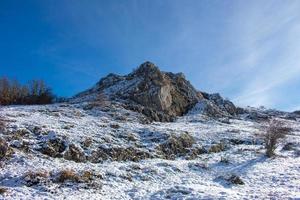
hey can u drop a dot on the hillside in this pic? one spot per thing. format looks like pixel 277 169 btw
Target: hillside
pixel 165 140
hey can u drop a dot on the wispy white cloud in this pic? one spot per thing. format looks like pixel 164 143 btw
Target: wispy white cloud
pixel 269 44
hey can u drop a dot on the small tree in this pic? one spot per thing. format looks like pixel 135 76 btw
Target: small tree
pixel 272 134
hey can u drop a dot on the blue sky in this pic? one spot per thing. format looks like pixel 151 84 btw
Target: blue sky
pixel 249 51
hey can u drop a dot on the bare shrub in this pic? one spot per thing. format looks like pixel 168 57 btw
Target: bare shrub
pixel 3 148
pixel 68 175
pixel 216 148
pixel 2 190
pixel 235 179
pixel 272 134
pixel 179 145
pixel 87 142
pixel 225 160
pixel 2 125
pixel 231 179
pixel 35 177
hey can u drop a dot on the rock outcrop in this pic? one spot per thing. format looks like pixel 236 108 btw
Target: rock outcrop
pixel 161 96
pixel 3 148
pixel 297 112
pixel 213 105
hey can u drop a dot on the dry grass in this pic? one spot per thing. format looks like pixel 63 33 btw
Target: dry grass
pixel 87 142
pixel 35 177
pixel 34 174
pixel 68 175
pixel 216 148
pixel 72 176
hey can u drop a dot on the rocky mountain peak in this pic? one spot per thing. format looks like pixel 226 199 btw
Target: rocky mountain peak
pixel 161 96
pixel 146 69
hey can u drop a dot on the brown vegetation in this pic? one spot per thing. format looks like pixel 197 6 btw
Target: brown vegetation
pixel 176 146
pixel 68 175
pixel 35 92
pixel 3 148
pixel 272 134
pixel 35 177
pixel 2 190
pixel 2 124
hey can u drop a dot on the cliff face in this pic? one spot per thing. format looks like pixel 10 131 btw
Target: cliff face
pixel 159 95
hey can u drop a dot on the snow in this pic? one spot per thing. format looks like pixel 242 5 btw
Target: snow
pixel 200 178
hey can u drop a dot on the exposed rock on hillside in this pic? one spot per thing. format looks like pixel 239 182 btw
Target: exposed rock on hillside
pixel 161 96
pixel 297 112
pixel 213 105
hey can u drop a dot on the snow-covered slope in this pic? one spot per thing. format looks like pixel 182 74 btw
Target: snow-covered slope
pixel 225 149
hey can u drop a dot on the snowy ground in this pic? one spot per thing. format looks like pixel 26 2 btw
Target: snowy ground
pixel 199 178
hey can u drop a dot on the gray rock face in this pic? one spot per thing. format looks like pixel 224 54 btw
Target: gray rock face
pixel 213 105
pixel 161 96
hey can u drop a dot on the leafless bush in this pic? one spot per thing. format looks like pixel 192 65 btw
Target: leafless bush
pixel 272 134
pixel 2 190
pixel 216 148
pixel 35 177
pixel 3 148
pixel 2 124
pixel 68 175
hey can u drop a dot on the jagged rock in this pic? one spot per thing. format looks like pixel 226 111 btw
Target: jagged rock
pixel 74 153
pixel 161 96
pixel 213 105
